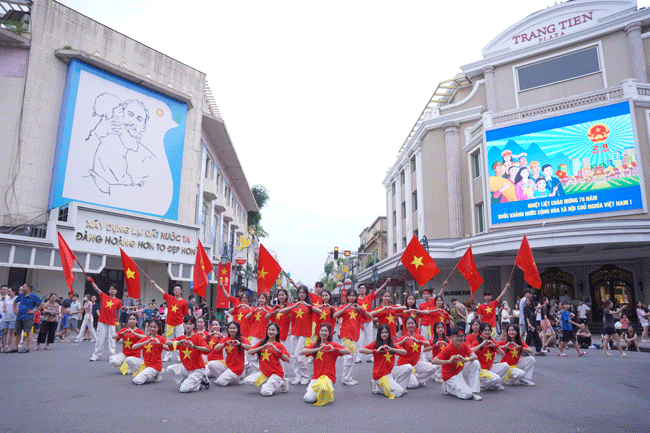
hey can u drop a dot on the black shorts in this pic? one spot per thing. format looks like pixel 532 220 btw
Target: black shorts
pixel 609 330
pixel 568 335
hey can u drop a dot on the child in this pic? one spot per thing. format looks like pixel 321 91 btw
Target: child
pixel 567 330
pixel 191 347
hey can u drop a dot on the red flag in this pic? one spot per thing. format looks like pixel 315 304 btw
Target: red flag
pixel 67 261
pixel 224 278
pixel 202 267
pixel 418 262
pixel 526 263
pixel 467 268
pixel 267 271
pixel 132 275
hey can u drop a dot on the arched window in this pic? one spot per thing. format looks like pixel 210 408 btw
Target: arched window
pixel 610 282
pixel 556 284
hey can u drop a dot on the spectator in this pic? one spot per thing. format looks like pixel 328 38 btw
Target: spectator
pixel 584 337
pixel 551 334
pixel 532 336
pixel 162 313
pixel 8 323
pixel 139 308
pixel 149 314
pixel 26 304
pixel 190 305
pixel 63 318
pixel 583 309
pixel 625 322
pixel 73 319
pixel 128 305
pixel 96 306
pixel 522 317
pixel 87 330
pixel 469 304
pixel 51 312
pixel 504 313
pixel 461 313
pixel 545 322
pixel 630 339
pixel 644 317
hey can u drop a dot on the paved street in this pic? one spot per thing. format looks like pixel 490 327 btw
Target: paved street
pixel 61 391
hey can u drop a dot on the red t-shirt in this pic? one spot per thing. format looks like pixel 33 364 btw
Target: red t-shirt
pixel 152 351
pixel 413 313
pixel 512 355
pixel 488 312
pixel 451 370
pixel 130 337
pixel 325 362
pixel 258 322
pixel 192 359
pixel 485 355
pixel 315 299
pixel 325 317
pixel 383 362
pixel 470 339
pixel 427 319
pixel 215 355
pixel 235 355
pixel 270 362
pixel 437 345
pixel 109 307
pixel 283 320
pixel 413 347
pixel 176 309
pixel 388 317
pixel 239 316
pixel 351 323
pixel 440 316
pixel 366 304
pixel 301 320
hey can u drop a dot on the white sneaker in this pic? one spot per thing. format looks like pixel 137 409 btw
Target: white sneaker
pixel 295 382
pixel 159 376
pixel 527 382
pixel 500 387
pixel 349 382
pixel 476 397
pixel 305 382
pixel 285 386
pixel 94 358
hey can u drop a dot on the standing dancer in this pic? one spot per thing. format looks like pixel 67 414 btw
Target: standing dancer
pixel 234 365
pixel 366 334
pixel 110 307
pixel 413 343
pixel 320 390
pixel 327 311
pixel 387 379
pixel 351 315
pixel 152 347
pixel 410 311
pixel 485 349
pixel 257 324
pixel 387 313
pixel 488 310
pixel 460 368
pixel 513 368
pixel 190 374
pixel 270 352
pixel 129 336
pixel 610 330
pixel 176 311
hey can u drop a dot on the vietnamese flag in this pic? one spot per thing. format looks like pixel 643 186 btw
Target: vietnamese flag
pixel 67 261
pixel 267 271
pixel 132 275
pixel 418 262
pixel 526 263
pixel 202 267
pixel 467 268
pixel 224 278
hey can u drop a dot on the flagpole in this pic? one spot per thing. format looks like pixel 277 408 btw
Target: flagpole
pixel 82 269
pixel 511 273
pixel 145 274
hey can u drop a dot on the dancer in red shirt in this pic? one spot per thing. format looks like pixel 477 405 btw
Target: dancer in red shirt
pixel 110 306
pixel 437 343
pixel 387 313
pixel 413 343
pixel 514 369
pixel 236 348
pixel 283 320
pixel 270 352
pixel 190 374
pixel 176 310
pixel 486 350
pixel 152 346
pixel 366 334
pixel 460 368
pixel 257 325
pixel 351 317
pixel 215 364
pixel 386 378
pixel 487 311
pixel 320 390
pixel 129 335
pixel 474 329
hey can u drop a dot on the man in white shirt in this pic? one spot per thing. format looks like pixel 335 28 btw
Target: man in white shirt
pixel 582 312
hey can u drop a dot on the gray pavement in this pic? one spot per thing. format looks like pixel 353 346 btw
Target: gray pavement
pixel 61 391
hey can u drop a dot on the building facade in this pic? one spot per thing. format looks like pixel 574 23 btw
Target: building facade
pixel 114 145
pixel 374 240
pixel 545 136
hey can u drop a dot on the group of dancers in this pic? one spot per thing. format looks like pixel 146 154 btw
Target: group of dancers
pixel 260 339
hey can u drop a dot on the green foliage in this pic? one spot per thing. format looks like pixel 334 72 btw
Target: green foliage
pixel 329 267
pixel 369 261
pixel 261 196
pixel 17 27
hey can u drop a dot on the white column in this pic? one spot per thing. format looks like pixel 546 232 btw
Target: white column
pixel 454 190
pixel 408 197
pixel 490 91
pixel 199 204
pixel 389 210
pixel 635 48
pixel 398 208
pixel 419 179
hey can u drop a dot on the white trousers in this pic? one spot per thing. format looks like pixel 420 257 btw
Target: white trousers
pixel 178 331
pixel 365 337
pixel 253 360
pixel 273 384
pixel 228 377
pixel 215 368
pixel 492 382
pixel 466 382
pixel 87 323
pixel 149 374
pixel 424 331
pixel 523 370
pixel 423 372
pixel 104 342
pixel 190 380
pixel 398 380
pixel 133 362
pixel 298 362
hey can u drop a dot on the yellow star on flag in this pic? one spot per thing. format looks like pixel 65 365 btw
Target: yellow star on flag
pixel 127 344
pixel 109 304
pixel 488 355
pixel 148 347
pixel 174 308
pixel 417 261
pixel 488 310
pixel 130 274
pixel 441 319
pixel 258 316
pixel 353 315
pixel 391 318
pixel 265 355
pixel 459 363
pixel 186 353
pixel 261 274
pixel 319 356
pixel 299 314
pixel 388 357
pixel 223 271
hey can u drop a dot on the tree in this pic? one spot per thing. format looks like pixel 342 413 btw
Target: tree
pixel 261 196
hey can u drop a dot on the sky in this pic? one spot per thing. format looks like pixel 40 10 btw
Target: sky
pixel 318 97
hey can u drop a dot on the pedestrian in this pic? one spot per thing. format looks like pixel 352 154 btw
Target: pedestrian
pixel 610 330
pixel 87 330
pixel 231 371
pixel 129 335
pixel 51 312
pixel 270 379
pixel 486 350
pixel 151 346
pixel 26 304
pixel 387 313
pixel 8 323
pixel 583 309
pixel 351 315
pixel 461 313
pixel 190 373
pixel 414 343
pixel 387 379
pixel 513 368
pixel 644 318
pixel 176 311
pixel 110 307
pixel 460 368
pixel 522 317
pixel 320 389
pixel 532 336
pixel 66 304
pixel 567 330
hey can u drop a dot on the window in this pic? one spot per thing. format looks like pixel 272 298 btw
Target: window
pixel 205 214
pixel 415 233
pixel 403 210
pixel 413 165
pixel 402 177
pixel 394 247
pixel 480 227
pixel 414 202
pixel 394 218
pixel 209 168
pixel 476 161
pixel 404 242
pixel 393 187
pixel 562 68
